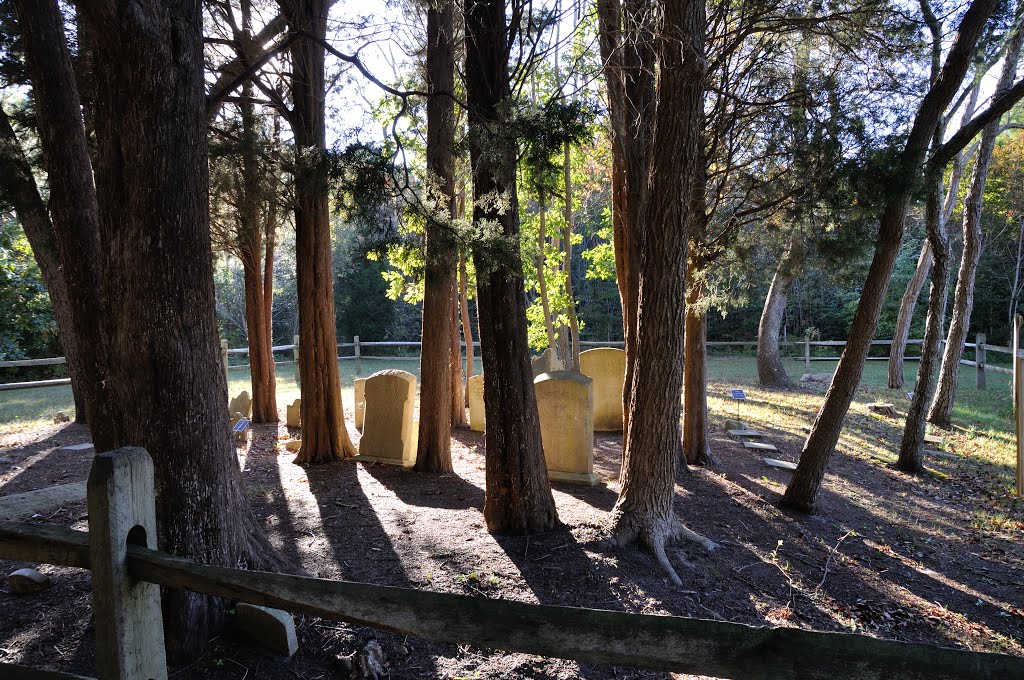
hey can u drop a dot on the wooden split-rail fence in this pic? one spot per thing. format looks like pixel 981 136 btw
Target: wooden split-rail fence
pixel 127 573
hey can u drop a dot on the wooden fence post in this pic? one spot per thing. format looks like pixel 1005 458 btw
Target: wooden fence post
pixel 807 351
pixel 1018 401
pixel 224 359
pixel 979 359
pixel 295 356
pixel 129 628
pixel 355 342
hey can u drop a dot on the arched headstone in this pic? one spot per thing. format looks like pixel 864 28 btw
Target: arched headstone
pixel 475 385
pixel 241 405
pixel 389 433
pixel 565 402
pixel 292 417
pixel 607 368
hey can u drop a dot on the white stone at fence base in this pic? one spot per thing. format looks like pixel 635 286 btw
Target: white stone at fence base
pixel 475 385
pixel 389 432
pixel 359 389
pixel 272 628
pixel 565 402
pixel 606 366
pixel 27 581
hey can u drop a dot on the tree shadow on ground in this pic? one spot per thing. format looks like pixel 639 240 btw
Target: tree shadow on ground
pixel 43 464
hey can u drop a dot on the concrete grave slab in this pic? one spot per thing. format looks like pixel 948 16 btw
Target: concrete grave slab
pixel 77 447
pixel 780 464
pixel 760 446
pixel 745 433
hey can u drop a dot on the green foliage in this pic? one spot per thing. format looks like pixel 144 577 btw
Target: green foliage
pixel 27 326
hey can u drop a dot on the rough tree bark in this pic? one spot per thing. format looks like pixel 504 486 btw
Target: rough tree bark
pixel 696 440
pixel 770 370
pixel 941 410
pixel 156 378
pixel 518 496
pixel 824 434
pixel 325 437
pixel 911 457
pixel 250 247
pixel 898 349
pixel 673 200
pixel 20 190
pixel 436 394
pixel 627 51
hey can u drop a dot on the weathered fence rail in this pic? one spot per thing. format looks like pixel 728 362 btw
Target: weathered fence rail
pixel 129 644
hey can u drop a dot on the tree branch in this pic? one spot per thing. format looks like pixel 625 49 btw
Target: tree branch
pixel 1000 105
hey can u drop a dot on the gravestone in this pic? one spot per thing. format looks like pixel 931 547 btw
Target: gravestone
pixel 606 366
pixel 565 402
pixel 389 433
pixel 292 417
pixel 272 628
pixel 359 388
pixel 760 446
pixel 241 405
pixel 883 409
pixel 240 427
pixel 545 363
pixel 475 385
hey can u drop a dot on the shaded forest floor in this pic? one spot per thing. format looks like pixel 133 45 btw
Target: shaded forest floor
pixel 936 559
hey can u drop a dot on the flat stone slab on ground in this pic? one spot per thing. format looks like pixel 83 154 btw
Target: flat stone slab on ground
pixel 760 446
pixel 883 409
pixel 780 464
pixel 745 433
pixel 942 454
pixel 27 581
pixel 24 505
pixel 77 447
pixel 932 439
pixel 272 628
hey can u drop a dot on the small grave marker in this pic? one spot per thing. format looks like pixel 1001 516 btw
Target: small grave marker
pixel 738 396
pixel 932 439
pixel 760 446
pixel 77 447
pixel 745 433
pixel 780 464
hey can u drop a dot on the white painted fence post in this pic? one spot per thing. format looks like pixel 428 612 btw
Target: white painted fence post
pixel 129 628
pixel 224 359
pixel 807 351
pixel 295 355
pixel 355 342
pixel 979 359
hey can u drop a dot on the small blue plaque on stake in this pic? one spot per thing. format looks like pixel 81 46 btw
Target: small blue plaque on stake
pixel 738 395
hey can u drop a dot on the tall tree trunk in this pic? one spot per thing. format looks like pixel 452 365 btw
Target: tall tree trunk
pixel 270 238
pixel 19 189
pixel 155 374
pixel 570 226
pixel 627 51
pixel 324 434
pixel 824 434
pixel 458 400
pixel 467 326
pixel 898 350
pixel 770 370
pixel 673 200
pixel 436 394
pixel 910 456
pixel 696 442
pixel 250 251
pixel 518 495
pixel 542 286
pixel 941 411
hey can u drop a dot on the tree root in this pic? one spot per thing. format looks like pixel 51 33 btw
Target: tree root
pixel 655 535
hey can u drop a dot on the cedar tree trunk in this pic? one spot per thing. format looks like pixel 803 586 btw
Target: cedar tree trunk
pixel 673 200
pixel 324 435
pixel 824 434
pixel 906 314
pixel 696 442
pixel 770 370
pixel 941 411
pixel 518 496
pixel 20 191
pixel 155 373
pixel 436 396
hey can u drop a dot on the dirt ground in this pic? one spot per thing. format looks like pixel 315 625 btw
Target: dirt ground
pixel 885 555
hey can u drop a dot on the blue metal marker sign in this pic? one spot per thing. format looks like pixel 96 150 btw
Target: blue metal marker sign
pixel 241 425
pixel 738 395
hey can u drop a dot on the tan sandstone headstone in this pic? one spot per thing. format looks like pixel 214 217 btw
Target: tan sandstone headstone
pixel 359 387
pixel 241 405
pixel 475 385
pixel 291 416
pixel 545 363
pixel 565 401
pixel 389 434
pixel 606 366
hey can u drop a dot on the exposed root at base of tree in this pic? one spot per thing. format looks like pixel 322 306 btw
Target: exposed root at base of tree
pixel 654 535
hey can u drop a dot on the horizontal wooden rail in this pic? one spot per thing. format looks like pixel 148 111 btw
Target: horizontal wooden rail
pixel 666 643
pixel 33 362
pixel 34 383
